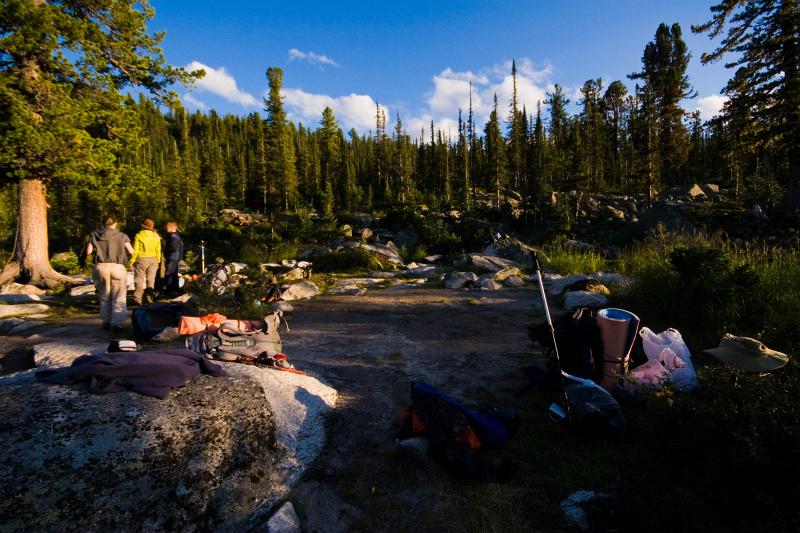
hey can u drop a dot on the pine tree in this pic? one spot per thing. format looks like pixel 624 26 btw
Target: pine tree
pixel 281 169
pixel 764 37
pixel 614 104
pixel 516 135
pixel 495 152
pixel 61 71
pixel 330 149
pixel 664 63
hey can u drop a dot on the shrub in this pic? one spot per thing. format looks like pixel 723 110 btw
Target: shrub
pixel 413 255
pixel 66 263
pixel 346 260
pixel 573 261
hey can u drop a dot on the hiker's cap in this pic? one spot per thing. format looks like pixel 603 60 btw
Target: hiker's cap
pixel 148 224
pixel 748 354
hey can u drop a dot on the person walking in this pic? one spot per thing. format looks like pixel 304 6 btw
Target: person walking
pixel 173 253
pixel 111 249
pixel 146 260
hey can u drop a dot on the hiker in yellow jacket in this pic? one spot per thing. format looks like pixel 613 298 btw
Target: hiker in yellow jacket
pixel 146 260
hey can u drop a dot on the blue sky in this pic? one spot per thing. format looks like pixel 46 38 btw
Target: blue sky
pixel 417 58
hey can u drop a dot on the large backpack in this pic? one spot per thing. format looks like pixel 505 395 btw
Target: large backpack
pixel 580 347
pixel 234 339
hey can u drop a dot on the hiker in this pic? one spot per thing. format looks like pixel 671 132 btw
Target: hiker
pixel 111 250
pixel 146 260
pixel 173 253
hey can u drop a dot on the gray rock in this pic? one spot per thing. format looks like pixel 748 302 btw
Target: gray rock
pixel 23 298
pixel 454 280
pixel 387 250
pixel 486 282
pixel 695 191
pixel 284 307
pixel 576 299
pixel 427 271
pixel 294 274
pixel 433 258
pixel 22 309
pixel 215 454
pixel 511 249
pixel 285 520
pixel 514 281
pixel 383 275
pixel 710 188
pixel 63 353
pixel 502 275
pixel 18 288
pixel 489 263
pixel 557 286
pixel 577 246
pixel 615 213
pixel 302 290
pixel 83 290
pixel 346 289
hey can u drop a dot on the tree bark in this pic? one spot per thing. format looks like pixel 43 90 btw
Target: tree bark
pixel 31 262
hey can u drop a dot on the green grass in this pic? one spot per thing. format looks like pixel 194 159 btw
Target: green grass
pixel 573 262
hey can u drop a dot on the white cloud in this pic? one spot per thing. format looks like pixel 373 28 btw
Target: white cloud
pixel 219 82
pixel 192 102
pixel 451 92
pixel 351 111
pixel 311 57
pixel 710 106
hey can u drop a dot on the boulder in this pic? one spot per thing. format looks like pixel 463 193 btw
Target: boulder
pixel 347 289
pixel 294 274
pixel 454 280
pixel 302 290
pixel 83 290
pixel 511 249
pixel 215 454
pixel 285 520
pixel 17 326
pixel 22 309
pixel 23 298
pixel 502 275
pixel 615 213
pixel 577 299
pixel 514 281
pixel 695 192
pixel 63 353
pixel 486 282
pixel 389 251
pixel 710 188
pixel 488 263
pixel 346 230
pixel 433 258
pixel 577 246
pixel 18 288
pixel 426 271
pixel 557 285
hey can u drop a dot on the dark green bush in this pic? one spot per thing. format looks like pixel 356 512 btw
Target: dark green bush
pixel 346 260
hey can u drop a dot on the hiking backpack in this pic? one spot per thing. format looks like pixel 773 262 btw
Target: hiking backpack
pixel 233 341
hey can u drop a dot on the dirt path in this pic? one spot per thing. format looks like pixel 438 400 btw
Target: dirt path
pixel 473 344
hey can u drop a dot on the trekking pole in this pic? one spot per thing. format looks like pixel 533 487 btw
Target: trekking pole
pixel 537 268
pixel 202 257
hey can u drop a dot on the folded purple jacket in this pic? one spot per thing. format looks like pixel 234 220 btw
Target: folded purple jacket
pixel 152 373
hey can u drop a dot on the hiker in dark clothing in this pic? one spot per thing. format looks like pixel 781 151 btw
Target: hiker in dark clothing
pixel 111 249
pixel 173 253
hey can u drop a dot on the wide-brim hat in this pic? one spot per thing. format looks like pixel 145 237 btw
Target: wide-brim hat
pixel 148 224
pixel 748 354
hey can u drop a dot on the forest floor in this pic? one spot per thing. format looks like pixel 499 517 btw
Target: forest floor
pixel 472 344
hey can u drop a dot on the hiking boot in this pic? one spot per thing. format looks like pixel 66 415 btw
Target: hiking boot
pixel 106 326
pixel 117 329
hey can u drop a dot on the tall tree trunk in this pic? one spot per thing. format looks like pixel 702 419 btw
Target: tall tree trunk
pixel 31 258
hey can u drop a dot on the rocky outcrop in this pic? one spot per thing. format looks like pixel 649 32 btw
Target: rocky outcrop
pixel 217 454
pixel 300 291
pixel 22 309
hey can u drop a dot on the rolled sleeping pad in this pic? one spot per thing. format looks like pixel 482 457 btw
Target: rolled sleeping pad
pixel 618 329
